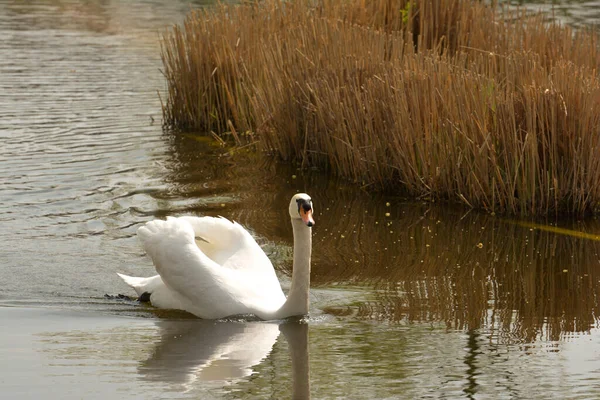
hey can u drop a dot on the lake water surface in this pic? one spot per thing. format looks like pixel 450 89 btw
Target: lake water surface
pixel 409 299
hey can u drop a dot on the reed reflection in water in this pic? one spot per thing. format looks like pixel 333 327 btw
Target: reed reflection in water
pixel 467 270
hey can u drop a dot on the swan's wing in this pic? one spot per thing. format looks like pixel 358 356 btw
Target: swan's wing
pixel 229 244
pixel 233 247
pixel 207 289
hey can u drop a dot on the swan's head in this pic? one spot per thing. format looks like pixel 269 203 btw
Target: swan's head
pixel 301 207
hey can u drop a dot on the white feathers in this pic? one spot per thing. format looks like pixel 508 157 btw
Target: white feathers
pixel 213 268
pixel 226 273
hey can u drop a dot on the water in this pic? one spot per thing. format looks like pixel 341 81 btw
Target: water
pixel 409 300
pixel 578 13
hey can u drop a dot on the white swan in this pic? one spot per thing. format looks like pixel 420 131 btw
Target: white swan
pixel 225 272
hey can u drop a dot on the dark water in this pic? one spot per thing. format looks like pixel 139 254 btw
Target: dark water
pixel 409 300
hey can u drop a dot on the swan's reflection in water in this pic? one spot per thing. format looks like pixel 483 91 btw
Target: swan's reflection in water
pixel 193 352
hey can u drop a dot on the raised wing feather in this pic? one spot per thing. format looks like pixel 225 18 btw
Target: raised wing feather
pixel 229 244
pixel 207 288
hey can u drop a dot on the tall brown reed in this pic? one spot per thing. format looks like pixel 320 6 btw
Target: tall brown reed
pixel 448 99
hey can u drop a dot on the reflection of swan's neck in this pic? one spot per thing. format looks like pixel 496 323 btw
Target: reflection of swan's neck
pixel 297 300
pixel 296 335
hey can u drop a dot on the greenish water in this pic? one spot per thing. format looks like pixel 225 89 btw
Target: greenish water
pixel 409 299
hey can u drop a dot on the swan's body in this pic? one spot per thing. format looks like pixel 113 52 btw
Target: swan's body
pixel 225 272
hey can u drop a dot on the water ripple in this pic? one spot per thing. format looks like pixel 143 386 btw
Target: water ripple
pixel 80 153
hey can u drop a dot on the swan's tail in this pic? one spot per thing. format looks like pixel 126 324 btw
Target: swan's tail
pixel 153 289
pixel 142 285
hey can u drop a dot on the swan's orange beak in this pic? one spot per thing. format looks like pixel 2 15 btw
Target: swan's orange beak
pixel 307 217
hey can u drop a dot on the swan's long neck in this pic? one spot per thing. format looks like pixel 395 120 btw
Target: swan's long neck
pixel 297 300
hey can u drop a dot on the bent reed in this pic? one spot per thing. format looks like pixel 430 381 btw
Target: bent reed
pixel 443 99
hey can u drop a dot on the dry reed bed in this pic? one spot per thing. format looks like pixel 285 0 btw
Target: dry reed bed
pixel 447 98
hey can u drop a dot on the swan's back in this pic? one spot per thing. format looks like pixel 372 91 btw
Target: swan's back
pixel 213 265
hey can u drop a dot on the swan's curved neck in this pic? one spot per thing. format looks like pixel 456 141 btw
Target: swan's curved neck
pixel 297 300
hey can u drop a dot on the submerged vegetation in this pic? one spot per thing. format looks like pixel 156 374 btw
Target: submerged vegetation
pixel 444 99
